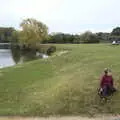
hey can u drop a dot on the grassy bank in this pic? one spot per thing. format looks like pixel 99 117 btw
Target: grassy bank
pixel 66 83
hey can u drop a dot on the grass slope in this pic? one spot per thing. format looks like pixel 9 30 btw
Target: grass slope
pixel 63 84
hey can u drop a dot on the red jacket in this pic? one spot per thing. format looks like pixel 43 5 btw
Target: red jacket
pixel 106 80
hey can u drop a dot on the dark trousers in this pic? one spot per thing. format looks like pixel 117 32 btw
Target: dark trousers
pixel 108 90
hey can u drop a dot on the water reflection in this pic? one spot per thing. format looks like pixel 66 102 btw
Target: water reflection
pixel 13 56
pixel 16 55
pixel 22 56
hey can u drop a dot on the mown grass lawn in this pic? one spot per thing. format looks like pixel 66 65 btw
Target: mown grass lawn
pixel 64 84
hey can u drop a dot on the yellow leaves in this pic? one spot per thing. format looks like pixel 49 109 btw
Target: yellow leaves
pixel 33 31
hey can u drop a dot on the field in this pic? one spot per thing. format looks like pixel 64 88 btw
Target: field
pixel 64 84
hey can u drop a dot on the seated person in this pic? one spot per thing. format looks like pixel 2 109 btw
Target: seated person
pixel 106 84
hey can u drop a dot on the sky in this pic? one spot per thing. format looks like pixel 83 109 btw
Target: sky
pixel 68 16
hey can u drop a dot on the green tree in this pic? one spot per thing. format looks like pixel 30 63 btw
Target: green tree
pixel 77 39
pixel 103 37
pixel 89 37
pixel 33 32
pixel 15 37
pixel 116 31
pixel 57 37
pixel 60 38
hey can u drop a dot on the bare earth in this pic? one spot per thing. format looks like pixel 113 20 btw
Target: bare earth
pixel 62 118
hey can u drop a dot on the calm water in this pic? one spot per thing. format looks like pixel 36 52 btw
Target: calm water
pixel 6 58
pixel 12 57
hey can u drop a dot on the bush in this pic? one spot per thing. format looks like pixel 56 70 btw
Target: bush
pixel 51 50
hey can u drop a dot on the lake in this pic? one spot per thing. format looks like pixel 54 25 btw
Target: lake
pixel 6 58
pixel 11 57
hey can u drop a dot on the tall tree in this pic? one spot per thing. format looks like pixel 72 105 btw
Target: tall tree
pixel 33 32
pixel 89 37
pixel 116 31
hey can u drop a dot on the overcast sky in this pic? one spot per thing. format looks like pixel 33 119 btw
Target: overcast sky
pixel 69 16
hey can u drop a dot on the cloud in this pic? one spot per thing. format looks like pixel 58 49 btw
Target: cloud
pixel 62 15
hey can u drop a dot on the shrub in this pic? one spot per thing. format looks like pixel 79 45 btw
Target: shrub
pixel 51 50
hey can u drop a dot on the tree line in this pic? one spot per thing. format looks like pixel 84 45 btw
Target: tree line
pixel 87 37
pixel 34 32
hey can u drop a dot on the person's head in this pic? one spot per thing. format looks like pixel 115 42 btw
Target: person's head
pixel 106 71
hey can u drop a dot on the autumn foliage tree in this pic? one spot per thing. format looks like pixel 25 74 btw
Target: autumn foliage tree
pixel 33 32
